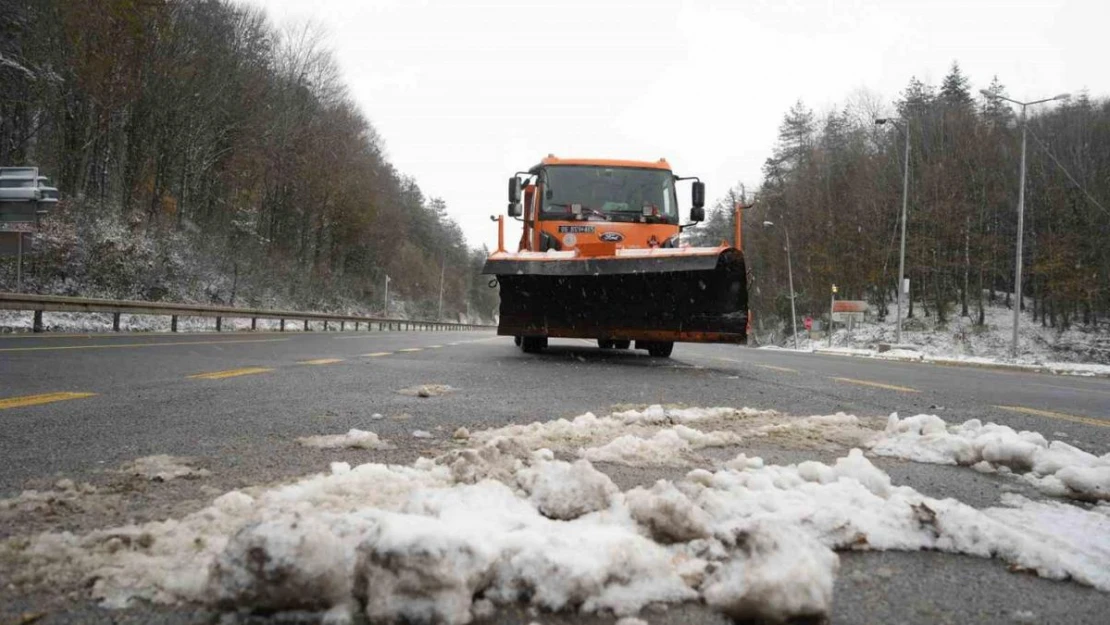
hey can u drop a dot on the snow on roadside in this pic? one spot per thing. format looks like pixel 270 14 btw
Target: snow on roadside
pixel 353 439
pixel 163 468
pixel 1061 368
pixel 960 341
pixel 1055 468
pixel 503 521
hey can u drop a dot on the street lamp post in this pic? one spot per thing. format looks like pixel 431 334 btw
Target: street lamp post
pixel 905 195
pixel 1020 211
pixel 386 304
pixel 790 276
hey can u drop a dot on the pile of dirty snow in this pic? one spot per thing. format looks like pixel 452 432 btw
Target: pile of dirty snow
pixel 1055 468
pixel 502 521
pixel 163 468
pixel 354 439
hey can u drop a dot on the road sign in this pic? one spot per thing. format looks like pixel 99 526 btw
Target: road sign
pixel 845 317
pixel 849 306
pixel 809 323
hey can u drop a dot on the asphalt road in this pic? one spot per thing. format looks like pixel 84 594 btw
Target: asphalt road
pixel 80 406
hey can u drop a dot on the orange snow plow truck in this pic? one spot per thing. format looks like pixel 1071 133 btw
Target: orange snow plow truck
pixel 601 258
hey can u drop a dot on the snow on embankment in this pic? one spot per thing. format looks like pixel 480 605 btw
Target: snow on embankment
pixel 1055 468
pixel 504 521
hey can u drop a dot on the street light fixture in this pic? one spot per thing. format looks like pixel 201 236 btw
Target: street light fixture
pixel 790 274
pixel 1021 209
pixel 905 195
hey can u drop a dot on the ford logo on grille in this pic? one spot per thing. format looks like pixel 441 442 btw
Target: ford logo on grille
pixel 611 237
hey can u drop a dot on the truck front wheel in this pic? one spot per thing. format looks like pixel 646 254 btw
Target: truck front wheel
pixel 533 344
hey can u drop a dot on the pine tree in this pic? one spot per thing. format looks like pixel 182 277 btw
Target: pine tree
pixel 916 99
pixel 955 91
pixel 996 112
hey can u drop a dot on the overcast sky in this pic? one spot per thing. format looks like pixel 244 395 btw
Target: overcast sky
pixel 466 93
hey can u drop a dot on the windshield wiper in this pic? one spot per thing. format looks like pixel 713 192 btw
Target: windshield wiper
pixel 592 211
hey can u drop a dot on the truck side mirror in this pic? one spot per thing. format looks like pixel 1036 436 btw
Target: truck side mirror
pixel 515 209
pixel 514 189
pixel 698 194
pixel 697 213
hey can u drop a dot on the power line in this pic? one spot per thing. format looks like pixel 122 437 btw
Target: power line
pixel 1066 172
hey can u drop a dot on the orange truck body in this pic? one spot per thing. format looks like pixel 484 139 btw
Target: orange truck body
pixel 600 257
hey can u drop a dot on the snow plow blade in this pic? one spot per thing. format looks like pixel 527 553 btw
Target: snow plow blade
pixel 696 295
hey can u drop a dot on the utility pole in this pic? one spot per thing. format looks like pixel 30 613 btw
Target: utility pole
pixel 790 274
pixel 902 290
pixel 385 308
pixel 832 306
pixel 19 262
pixel 1021 211
pixel 442 272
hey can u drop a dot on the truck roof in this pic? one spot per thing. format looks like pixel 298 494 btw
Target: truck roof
pixel 551 159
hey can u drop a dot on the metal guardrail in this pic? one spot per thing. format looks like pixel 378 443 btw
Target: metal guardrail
pixel 57 303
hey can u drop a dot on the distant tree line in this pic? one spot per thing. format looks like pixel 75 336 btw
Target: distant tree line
pixel 200 117
pixel 835 181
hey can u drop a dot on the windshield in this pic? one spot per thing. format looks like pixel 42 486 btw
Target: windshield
pixel 610 193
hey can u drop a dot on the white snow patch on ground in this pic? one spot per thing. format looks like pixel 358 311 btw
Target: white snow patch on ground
pixel 446 540
pixel 637 436
pixel 666 447
pixel 29 501
pixel 1055 468
pixel 354 438
pixel 163 468
pixel 1076 351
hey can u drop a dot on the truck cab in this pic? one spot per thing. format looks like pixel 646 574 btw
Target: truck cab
pixel 596 206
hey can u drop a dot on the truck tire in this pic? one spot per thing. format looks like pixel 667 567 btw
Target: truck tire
pixel 516 340
pixel 533 344
pixel 661 349
pixel 622 344
pixel 605 344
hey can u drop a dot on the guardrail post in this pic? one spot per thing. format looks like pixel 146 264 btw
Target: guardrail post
pixel 356 326
pixel 342 324
pixel 306 325
pixel 173 323
pixel 254 323
pixel 219 323
pixel 281 326
pixel 36 325
pixel 115 322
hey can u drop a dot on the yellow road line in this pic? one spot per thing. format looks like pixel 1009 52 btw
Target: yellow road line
pixel 35 400
pixel 774 368
pixel 230 373
pixel 1056 415
pixel 411 349
pixel 320 361
pixel 61 347
pixel 378 354
pixel 889 387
